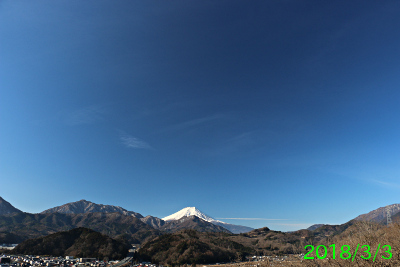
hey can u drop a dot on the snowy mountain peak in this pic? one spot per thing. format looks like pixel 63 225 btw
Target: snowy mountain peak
pixel 193 211
pixel 189 211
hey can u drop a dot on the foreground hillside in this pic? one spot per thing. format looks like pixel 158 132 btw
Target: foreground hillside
pixel 192 247
pixel 358 234
pixel 371 234
pixel 78 242
pixel 189 246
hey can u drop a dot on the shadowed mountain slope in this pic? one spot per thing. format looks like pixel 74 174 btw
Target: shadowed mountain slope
pixel 26 225
pixel 153 221
pixel 78 242
pixel 379 214
pixel 192 222
pixel 7 208
pixel 192 247
pixel 84 206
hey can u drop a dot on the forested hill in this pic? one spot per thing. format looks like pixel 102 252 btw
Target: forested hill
pixel 78 242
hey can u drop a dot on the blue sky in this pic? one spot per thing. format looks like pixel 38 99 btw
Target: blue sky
pixel 282 113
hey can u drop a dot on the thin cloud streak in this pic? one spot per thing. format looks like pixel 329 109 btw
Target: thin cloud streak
pixel 386 184
pixel 133 142
pixel 192 123
pixel 254 219
pixel 294 224
pixel 245 142
pixel 86 115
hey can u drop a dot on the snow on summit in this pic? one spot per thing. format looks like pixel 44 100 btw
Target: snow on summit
pixel 189 211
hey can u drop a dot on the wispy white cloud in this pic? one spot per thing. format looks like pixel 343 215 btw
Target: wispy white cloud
pixel 386 184
pixel 133 142
pixel 238 144
pixel 86 115
pixel 192 123
pixel 243 139
pixel 254 219
pixel 305 225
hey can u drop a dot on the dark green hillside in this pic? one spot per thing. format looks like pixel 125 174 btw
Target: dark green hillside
pixel 78 242
pixel 115 224
pixel 26 225
pixel 190 246
pixel 23 226
pixel 267 242
pixel 10 238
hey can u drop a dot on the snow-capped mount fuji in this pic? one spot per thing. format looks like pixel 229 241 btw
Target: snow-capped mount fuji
pixel 193 211
pixel 190 211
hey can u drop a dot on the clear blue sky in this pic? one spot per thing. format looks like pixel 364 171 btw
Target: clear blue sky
pixel 285 110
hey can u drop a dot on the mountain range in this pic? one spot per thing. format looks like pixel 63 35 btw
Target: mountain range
pixel 16 226
pixel 84 206
pixel 22 226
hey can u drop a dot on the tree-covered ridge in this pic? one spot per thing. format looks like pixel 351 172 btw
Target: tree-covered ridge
pixel 26 225
pixel 78 242
pixel 190 246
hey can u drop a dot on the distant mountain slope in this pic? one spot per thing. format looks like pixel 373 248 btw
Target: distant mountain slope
pixel 153 221
pixel 193 211
pixel 395 219
pixel 331 230
pixel 84 206
pixel 26 225
pixel 234 228
pixel 378 215
pixel 192 222
pixel 7 208
pixel 78 242
pixel 314 226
